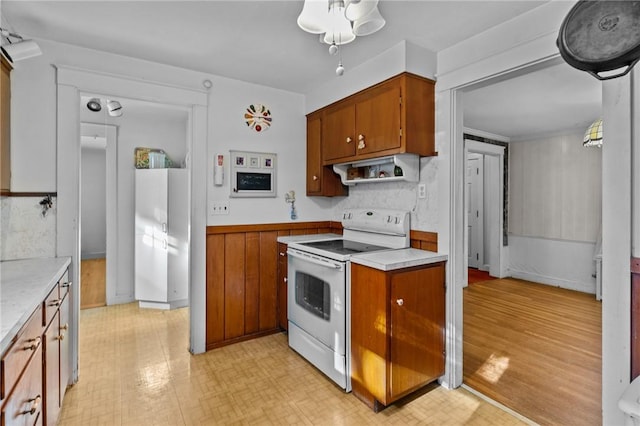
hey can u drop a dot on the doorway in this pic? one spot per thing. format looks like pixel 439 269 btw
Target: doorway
pixel 547 177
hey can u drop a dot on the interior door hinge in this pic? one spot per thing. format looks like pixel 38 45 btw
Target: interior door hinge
pixel 401 132
pixel 477 256
pixel 400 100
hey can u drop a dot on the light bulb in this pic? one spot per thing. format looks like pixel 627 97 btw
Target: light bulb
pixel 340 69
pixel 333 49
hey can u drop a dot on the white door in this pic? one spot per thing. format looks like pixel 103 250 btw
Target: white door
pixel 475 210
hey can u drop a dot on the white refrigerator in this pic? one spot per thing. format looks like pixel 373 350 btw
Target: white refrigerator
pixel 161 238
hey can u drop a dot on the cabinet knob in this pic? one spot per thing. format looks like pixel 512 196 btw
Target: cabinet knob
pixel 283 254
pixel 315 177
pixel 400 302
pixel 286 279
pixel 34 344
pixel 349 139
pixel 35 402
pixel 60 337
pixel 360 137
pixel 361 144
pixel 65 327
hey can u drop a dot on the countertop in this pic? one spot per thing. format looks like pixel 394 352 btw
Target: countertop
pixel 389 260
pixel 24 284
pixel 308 237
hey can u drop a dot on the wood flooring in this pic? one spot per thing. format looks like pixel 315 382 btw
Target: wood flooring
pixel 93 273
pixel 135 369
pixel 536 349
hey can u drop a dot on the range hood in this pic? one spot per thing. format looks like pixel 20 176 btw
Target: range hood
pixel 399 167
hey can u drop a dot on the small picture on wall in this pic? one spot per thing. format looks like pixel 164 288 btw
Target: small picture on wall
pixel 268 162
pixel 240 161
pixel 254 162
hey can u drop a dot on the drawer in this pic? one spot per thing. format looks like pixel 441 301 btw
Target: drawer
pixel 64 284
pixel 24 406
pixel 16 358
pixel 51 305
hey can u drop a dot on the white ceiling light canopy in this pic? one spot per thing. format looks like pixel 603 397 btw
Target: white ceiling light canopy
pixel 340 21
pixel 18 50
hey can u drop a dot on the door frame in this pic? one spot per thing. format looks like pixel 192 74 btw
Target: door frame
pixel 479 195
pixel 110 133
pixel 498 264
pixel 71 82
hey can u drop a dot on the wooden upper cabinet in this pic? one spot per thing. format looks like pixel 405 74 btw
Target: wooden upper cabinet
pixel 395 116
pixel 321 180
pixel 338 133
pixel 5 118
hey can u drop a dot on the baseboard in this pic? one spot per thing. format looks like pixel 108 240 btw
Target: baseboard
pixel 499 405
pixel 553 281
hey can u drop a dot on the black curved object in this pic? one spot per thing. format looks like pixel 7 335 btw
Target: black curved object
pixel 601 36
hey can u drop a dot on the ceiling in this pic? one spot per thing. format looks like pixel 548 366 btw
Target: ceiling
pixel 260 42
pixel 548 100
pixel 254 41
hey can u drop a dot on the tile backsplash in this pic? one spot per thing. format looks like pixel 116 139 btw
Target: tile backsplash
pixel 24 231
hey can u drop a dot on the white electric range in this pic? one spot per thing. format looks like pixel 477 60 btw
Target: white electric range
pixel 319 286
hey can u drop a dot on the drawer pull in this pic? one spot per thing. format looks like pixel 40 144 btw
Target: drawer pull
pixel 65 285
pixel 55 302
pixel 65 327
pixel 34 344
pixel 35 402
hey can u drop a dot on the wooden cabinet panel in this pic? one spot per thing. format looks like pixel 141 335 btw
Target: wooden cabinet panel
pixel 252 283
pixel 215 289
pixel 5 119
pixel 338 133
pixel 378 121
pixel 65 347
pixel 24 405
pixel 397 331
pixel 234 285
pixel 268 280
pixel 282 286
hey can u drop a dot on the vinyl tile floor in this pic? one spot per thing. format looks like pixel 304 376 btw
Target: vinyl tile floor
pixel 135 369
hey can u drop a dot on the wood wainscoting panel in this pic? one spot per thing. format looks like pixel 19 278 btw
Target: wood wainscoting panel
pixel 424 240
pixel 242 278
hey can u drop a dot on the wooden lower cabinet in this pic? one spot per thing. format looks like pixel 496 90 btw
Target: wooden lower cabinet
pixel 397 331
pixel 283 267
pixel 36 368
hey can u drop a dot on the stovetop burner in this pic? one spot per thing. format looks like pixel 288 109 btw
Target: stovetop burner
pixel 343 246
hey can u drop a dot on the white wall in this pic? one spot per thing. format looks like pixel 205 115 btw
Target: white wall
pixel 94 202
pixel 555 205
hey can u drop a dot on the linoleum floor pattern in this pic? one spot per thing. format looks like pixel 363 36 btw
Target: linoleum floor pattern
pixel 135 370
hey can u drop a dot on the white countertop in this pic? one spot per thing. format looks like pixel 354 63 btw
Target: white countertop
pixel 24 284
pixel 389 260
pixel 308 237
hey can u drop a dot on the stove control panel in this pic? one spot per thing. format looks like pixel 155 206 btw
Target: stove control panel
pixel 383 221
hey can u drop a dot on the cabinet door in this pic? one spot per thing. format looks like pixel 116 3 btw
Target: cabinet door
pixel 24 406
pixel 338 130
pixel 417 328
pixel 52 370
pixel 314 160
pixel 378 120
pixel 151 212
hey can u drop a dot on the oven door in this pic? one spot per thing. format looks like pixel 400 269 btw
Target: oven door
pixel 316 300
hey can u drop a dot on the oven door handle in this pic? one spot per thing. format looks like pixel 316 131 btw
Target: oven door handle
pixel 314 260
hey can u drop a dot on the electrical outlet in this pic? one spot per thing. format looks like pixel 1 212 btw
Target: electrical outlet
pixel 422 190
pixel 219 207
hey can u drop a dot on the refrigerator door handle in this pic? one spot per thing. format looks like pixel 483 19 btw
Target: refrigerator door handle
pixel 164 227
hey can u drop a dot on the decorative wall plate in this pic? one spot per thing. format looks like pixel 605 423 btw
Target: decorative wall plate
pixel 257 117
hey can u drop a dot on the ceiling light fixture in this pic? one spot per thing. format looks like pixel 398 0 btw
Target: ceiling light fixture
pixel 340 21
pixel 593 135
pixel 18 50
